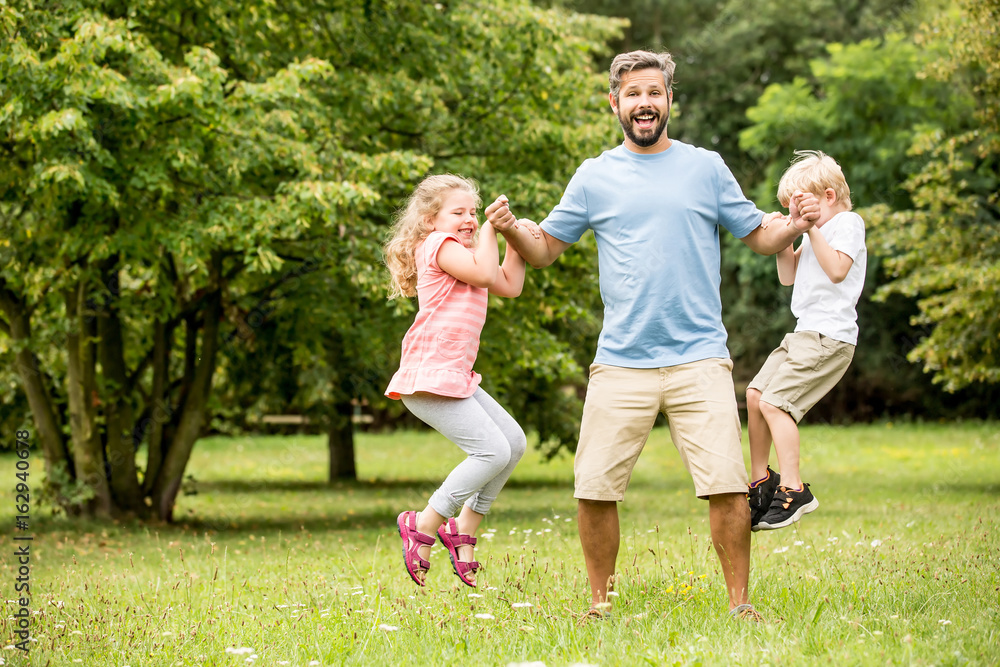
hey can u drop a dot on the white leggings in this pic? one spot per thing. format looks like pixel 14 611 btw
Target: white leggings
pixel 483 430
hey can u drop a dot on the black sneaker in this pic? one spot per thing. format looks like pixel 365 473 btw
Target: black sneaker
pixel 760 495
pixel 788 507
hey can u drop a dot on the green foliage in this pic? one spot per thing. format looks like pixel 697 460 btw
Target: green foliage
pixel 945 247
pixel 726 65
pixel 862 105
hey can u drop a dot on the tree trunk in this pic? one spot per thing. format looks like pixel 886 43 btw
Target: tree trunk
pixel 88 452
pixel 341 442
pixel 118 413
pixel 39 398
pixel 168 481
pixel 160 412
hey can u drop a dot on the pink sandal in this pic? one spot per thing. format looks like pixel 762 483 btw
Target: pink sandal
pixel 412 541
pixel 452 540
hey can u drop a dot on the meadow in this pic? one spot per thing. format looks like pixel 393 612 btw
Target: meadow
pixel 267 564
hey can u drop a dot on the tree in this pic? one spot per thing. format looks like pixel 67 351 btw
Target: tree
pixel 136 191
pixel 945 247
pixel 171 171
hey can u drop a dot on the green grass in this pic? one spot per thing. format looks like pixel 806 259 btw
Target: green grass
pixel 898 566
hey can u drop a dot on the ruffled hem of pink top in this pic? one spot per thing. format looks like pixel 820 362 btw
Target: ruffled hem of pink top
pixel 440 381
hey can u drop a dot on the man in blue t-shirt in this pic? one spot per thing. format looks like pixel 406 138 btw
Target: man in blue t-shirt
pixel 655 206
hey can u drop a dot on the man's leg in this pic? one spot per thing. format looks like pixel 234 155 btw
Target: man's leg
pixel 600 535
pixel 729 518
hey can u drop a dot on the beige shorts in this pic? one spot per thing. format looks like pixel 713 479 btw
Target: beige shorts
pixel 699 401
pixel 804 368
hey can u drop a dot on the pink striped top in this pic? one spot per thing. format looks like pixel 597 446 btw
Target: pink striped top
pixel 441 346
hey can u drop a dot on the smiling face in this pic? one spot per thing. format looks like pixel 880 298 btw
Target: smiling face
pixel 457 216
pixel 643 108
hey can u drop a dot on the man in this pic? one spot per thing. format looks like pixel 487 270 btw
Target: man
pixel 655 206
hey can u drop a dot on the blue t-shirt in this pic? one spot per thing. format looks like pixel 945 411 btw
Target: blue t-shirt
pixel 656 219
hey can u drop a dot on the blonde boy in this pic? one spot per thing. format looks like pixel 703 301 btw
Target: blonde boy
pixel 828 274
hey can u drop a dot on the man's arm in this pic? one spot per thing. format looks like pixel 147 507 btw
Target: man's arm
pixel 768 239
pixel 539 250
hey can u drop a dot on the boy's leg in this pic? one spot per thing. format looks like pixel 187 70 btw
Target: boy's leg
pixel 785 433
pixel 760 437
pixel 813 365
pixel 758 431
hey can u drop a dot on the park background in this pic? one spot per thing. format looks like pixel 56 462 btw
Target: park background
pixel 193 197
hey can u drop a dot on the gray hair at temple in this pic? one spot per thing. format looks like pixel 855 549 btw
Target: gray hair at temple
pixel 633 60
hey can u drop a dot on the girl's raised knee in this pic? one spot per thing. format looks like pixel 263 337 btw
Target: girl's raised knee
pixel 518 446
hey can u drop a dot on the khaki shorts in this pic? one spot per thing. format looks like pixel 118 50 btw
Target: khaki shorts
pixel 801 371
pixel 699 401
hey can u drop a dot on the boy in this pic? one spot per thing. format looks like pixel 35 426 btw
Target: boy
pixel 828 273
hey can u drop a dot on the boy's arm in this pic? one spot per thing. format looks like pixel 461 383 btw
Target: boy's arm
pixel 788 263
pixel 835 263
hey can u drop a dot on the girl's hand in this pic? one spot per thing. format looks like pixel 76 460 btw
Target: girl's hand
pixel 498 214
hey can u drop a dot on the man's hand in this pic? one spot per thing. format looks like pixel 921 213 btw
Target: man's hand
pixel 803 210
pixel 529 225
pixel 499 215
pixel 769 218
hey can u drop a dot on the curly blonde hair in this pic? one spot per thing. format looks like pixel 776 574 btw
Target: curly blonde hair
pixel 413 224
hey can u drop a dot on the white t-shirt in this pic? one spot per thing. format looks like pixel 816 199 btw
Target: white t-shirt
pixel 818 303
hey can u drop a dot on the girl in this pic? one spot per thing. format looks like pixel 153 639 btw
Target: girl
pixel 433 253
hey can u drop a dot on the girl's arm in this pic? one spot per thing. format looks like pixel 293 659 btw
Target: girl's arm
pixel 511 278
pixel 479 269
pixel 835 263
pixel 536 246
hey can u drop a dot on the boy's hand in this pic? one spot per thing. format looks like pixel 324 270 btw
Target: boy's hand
pixel 803 210
pixel 499 215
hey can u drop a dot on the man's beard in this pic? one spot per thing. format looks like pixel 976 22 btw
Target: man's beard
pixel 651 138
